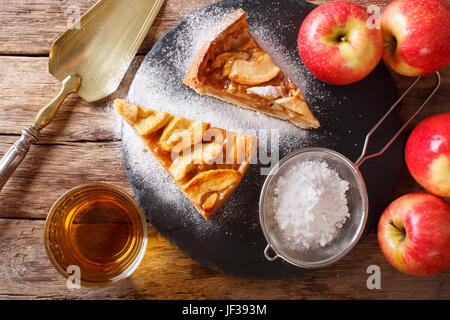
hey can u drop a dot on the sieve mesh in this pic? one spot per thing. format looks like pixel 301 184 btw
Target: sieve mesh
pixel 346 237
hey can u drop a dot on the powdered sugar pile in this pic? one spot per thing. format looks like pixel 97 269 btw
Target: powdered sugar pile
pixel 310 204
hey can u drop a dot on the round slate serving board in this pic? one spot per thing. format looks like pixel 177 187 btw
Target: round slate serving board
pixel 232 241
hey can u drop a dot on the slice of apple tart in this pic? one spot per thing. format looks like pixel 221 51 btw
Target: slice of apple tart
pixel 231 66
pixel 206 163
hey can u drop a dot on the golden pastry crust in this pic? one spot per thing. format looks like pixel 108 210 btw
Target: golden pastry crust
pixel 231 66
pixel 233 23
pixel 206 163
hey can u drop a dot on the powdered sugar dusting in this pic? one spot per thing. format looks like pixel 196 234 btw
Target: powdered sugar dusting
pixel 169 94
pixel 160 87
pixel 231 241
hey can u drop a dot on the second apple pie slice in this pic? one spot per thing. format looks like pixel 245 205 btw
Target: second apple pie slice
pixel 207 163
pixel 231 66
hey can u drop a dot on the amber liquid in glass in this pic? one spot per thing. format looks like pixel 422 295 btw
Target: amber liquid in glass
pixel 97 231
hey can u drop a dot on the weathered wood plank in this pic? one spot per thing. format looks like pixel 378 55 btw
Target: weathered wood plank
pixel 30 27
pixel 50 170
pixel 83 138
pixel 26 273
pixel 94 122
pixel 439 103
pixel 25 86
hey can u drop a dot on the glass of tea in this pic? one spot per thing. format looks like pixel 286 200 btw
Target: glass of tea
pixel 99 231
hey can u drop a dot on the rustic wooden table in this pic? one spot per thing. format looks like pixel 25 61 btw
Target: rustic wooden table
pixel 82 145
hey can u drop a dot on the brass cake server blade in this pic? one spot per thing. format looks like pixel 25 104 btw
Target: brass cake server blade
pixel 90 59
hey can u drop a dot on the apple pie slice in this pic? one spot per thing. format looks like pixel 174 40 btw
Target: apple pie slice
pixel 207 163
pixel 231 66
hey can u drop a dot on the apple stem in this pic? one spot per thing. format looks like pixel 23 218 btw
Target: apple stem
pixel 400 230
pixel 392 44
pixel 340 37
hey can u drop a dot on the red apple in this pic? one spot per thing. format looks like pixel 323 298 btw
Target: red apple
pixel 416 36
pixel 427 154
pixel 337 45
pixel 414 234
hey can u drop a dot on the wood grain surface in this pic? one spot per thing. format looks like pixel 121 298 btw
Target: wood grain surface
pixel 83 145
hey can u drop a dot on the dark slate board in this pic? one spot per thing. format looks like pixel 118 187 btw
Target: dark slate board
pixel 234 244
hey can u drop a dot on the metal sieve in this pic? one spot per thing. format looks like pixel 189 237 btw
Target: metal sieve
pixel 357 198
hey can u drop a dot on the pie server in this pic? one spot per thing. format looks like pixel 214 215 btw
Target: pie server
pixel 90 59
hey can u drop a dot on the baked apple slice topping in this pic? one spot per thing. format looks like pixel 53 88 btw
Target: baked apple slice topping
pixel 182 135
pixel 145 121
pixel 254 72
pixel 206 188
pixel 205 154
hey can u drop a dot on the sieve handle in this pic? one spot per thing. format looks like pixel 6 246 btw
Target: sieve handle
pixel 363 156
pixel 266 253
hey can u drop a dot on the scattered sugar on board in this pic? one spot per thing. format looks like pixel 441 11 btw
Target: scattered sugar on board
pixel 310 204
pixel 165 192
pixel 160 87
pixel 169 94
